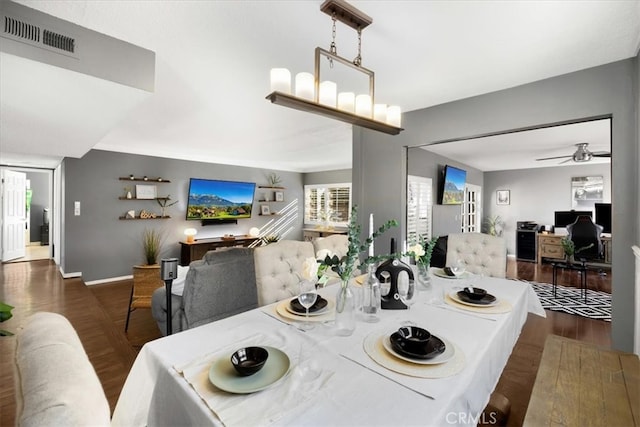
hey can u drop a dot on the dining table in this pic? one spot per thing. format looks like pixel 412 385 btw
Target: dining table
pixel 317 377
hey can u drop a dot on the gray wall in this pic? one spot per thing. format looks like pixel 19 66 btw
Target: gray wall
pixel 327 177
pixel 101 246
pixel 536 194
pixel 40 188
pixel 446 218
pixel 379 160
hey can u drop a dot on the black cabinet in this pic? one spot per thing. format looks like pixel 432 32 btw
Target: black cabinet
pixel 526 245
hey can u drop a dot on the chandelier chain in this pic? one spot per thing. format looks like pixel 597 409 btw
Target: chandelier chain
pixel 358 60
pixel 333 48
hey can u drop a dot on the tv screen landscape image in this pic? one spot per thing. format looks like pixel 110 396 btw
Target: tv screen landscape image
pixel 453 185
pixel 219 200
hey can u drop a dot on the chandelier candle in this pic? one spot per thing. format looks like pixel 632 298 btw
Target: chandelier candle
pixel 305 86
pixel 346 101
pixel 363 105
pixel 394 115
pixel 380 112
pixel 327 95
pixel 280 80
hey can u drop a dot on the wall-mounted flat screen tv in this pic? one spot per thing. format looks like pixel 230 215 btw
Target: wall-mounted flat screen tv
pixel 211 199
pixel 453 186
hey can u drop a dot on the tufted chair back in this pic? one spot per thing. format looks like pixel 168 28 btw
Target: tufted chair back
pixel 337 244
pixel 482 253
pixel 278 269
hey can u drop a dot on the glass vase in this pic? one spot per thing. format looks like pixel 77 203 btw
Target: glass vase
pixel 345 322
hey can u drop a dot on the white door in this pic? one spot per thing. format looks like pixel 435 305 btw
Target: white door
pixel 472 209
pixel 14 189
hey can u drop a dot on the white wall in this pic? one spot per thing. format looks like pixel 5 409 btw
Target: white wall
pixel 536 194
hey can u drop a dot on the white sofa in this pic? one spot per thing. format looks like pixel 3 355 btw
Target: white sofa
pixel 57 384
pixel 482 253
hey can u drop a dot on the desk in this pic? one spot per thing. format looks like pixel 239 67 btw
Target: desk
pixel 154 393
pixel 549 247
pixel 579 384
pixel 193 251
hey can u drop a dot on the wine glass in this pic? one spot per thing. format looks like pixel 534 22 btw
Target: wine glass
pixel 407 290
pixel 307 297
pixel 458 267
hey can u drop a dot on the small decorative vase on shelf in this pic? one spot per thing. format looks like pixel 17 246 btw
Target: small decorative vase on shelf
pixel 345 322
pixel 129 196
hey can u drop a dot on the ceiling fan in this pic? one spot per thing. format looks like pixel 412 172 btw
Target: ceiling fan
pixel 582 154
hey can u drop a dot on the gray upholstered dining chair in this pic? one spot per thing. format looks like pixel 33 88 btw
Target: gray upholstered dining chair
pixel 481 253
pixel 221 284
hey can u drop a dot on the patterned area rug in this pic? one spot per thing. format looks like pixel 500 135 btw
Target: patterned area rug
pixel 568 300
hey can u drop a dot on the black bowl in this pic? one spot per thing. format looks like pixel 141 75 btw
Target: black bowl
pixel 249 360
pixel 475 294
pixel 413 338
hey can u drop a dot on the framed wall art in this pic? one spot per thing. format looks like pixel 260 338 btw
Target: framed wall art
pixel 503 197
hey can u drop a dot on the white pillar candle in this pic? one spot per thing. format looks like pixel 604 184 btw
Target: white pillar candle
pixel 280 80
pixel 327 95
pixel 304 86
pixel 371 233
pixel 394 115
pixel 346 101
pixel 363 105
pixel 380 112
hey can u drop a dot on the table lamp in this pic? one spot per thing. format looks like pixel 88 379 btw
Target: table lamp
pixel 190 233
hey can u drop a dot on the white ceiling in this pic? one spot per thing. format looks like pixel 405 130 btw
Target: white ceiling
pixel 213 60
pixel 519 150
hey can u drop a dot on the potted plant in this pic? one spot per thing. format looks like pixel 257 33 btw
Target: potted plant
pixel 494 225
pixel 5 314
pixel 151 244
pixel 570 249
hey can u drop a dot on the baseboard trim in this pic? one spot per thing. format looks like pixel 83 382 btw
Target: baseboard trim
pixel 109 280
pixel 70 275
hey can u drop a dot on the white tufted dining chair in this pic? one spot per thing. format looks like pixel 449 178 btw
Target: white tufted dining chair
pixel 278 269
pixel 482 253
pixel 337 244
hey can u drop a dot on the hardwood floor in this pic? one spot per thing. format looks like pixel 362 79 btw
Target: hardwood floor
pixel 98 313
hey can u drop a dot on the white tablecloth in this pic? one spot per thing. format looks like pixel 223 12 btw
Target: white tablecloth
pixel 156 394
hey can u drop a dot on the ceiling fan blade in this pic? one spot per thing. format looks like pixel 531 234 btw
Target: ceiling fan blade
pixel 601 154
pixel 552 158
pixel 566 161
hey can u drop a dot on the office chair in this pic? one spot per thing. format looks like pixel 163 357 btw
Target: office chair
pixel 583 232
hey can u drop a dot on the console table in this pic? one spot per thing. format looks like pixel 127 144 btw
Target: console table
pixel 549 247
pixel 193 251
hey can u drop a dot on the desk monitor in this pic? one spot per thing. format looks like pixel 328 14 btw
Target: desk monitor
pixel 564 218
pixel 603 216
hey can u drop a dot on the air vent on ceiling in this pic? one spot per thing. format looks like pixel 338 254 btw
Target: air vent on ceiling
pixel 21 29
pixel 58 41
pixel 24 31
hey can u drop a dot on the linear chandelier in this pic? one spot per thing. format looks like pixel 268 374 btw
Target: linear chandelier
pixel 313 95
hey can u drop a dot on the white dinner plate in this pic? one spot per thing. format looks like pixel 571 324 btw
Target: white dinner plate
pixel 445 356
pixel 454 296
pixel 223 375
pixel 440 273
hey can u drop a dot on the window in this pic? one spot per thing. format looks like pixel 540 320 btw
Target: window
pixel 327 204
pixel 419 206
